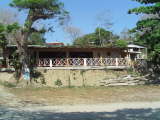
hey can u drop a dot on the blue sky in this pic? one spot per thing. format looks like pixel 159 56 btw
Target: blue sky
pixel 83 15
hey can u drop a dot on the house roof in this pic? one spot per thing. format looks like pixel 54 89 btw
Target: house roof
pixel 56 44
pixel 62 46
pixel 134 46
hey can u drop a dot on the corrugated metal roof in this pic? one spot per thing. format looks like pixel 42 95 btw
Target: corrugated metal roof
pixel 50 46
pixel 134 46
pixel 62 46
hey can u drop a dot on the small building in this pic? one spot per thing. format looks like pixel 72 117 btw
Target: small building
pixel 136 52
pixel 58 56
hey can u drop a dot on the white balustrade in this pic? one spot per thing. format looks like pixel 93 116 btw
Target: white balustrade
pixel 64 62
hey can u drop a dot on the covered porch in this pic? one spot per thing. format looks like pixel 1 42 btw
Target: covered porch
pixel 80 58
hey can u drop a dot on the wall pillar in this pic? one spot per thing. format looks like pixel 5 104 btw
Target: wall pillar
pixel 67 57
pixel 101 58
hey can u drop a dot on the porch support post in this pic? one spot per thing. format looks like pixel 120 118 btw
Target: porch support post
pixel 85 61
pixel 51 64
pixel 116 61
pixel 7 62
pixel 129 58
pixel 101 58
pixel 67 56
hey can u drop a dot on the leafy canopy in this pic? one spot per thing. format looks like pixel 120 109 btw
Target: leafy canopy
pixel 100 37
pixel 121 43
pixel 148 30
pixel 40 10
pixel 4 31
pixel 43 9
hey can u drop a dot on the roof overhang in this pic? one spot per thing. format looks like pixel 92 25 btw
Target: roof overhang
pixel 135 46
pixel 65 47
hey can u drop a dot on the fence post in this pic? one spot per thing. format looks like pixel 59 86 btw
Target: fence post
pixel 85 61
pixel 116 61
pixel 68 62
pixel 101 61
pixel 51 64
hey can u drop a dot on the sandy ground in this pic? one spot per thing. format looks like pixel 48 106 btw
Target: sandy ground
pixel 12 108
pixel 95 108
pixel 116 111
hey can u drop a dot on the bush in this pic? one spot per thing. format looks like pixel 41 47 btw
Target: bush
pixel 58 83
pixel 121 43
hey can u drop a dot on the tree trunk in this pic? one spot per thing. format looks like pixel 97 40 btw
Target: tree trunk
pixel 4 57
pixel 23 50
pixel 24 68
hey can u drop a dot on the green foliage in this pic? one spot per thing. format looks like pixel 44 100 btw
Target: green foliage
pixel 4 31
pixel 100 37
pixel 3 40
pixel 147 30
pixel 36 75
pixel 40 9
pixel 15 62
pixel 86 40
pixel 147 1
pixel 12 27
pixel 38 4
pixel 2 28
pixel 7 84
pixel 157 48
pixel 58 82
pixel 37 38
pixel 121 43
pixel 36 10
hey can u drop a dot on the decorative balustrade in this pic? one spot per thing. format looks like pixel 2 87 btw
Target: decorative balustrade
pixel 69 62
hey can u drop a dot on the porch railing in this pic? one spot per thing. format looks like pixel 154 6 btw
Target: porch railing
pixel 71 62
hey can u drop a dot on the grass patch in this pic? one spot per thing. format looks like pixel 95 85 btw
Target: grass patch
pixel 89 95
pixel 7 84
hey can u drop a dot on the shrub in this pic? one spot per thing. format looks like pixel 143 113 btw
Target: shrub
pixel 121 43
pixel 58 83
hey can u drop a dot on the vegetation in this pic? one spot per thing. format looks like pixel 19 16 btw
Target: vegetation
pixel 58 83
pixel 89 95
pixel 37 38
pixel 147 30
pixel 121 43
pixel 100 37
pixel 27 34
pixel 7 84
pixel 4 31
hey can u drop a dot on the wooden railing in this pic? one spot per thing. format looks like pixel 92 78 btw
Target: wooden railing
pixel 71 62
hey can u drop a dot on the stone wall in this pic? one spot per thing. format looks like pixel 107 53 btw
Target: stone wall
pixel 79 78
pixel 7 77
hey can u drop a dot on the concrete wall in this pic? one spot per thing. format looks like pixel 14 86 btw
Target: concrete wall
pixel 79 77
pixel 7 76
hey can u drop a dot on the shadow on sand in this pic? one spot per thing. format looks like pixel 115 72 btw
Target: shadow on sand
pixel 124 114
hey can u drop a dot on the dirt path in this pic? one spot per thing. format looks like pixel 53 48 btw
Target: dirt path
pixel 8 99
pixel 118 111
pixel 12 108
pixel 96 108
